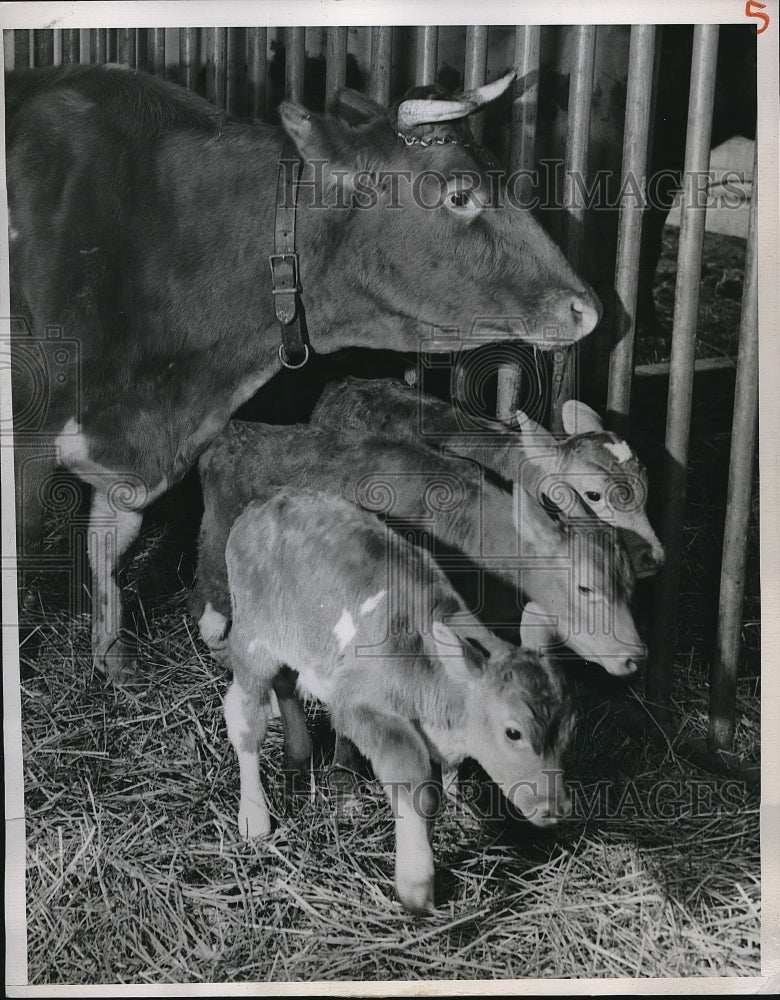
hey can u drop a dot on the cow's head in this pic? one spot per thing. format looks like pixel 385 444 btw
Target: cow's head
pixel 403 227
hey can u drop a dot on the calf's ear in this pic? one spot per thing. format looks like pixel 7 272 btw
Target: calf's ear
pixel 533 433
pixel 579 418
pixel 460 663
pixel 536 629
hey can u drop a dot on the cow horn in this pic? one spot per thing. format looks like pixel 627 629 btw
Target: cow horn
pixel 425 112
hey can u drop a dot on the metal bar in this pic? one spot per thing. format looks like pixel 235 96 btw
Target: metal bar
pixel 22 48
pixel 99 45
pixel 216 66
pixel 125 46
pixel 85 46
pixel 235 92
pixel 71 43
pixel 381 61
pixel 57 47
pixel 155 50
pixel 257 66
pixel 294 63
pixel 335 62
pixel 636 139
pixel 521 157
pixel 43 47
pixel 426 62
pixel 188 57
pixel 476 69
pixel 577 146
pixel 678 413
pixel 9 49
pixel 723 678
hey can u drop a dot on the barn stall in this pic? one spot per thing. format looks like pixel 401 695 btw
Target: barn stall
pixel 130 806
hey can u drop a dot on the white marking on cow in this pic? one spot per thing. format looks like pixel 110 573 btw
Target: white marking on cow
pixel 620 450
pixel 371 603
pixel 212 626
pixel 13 234
pixel 252 647
pixel 344 630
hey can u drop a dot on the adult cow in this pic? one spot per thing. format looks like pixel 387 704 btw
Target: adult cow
pixel 141 224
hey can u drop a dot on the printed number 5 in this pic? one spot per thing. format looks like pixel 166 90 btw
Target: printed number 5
pixel 755 9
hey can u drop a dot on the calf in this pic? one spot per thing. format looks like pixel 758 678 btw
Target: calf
pixel 591 470
pixel 574 571
pixel 375 631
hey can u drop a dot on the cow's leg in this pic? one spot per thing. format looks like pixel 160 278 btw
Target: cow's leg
pixel 111 533
pixel 401 762
pixel 246 707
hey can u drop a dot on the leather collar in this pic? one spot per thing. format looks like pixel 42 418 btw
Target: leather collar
pixel 285 266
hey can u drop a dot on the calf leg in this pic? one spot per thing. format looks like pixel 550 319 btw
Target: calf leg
pixel 246 715
pixel 297 742
pixel 111 533
pixel 401 762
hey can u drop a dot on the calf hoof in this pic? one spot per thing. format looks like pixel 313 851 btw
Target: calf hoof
pixel 120 665
pixel 254 821
pixel 417 897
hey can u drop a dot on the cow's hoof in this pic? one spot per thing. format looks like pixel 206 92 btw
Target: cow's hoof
pixel 417 897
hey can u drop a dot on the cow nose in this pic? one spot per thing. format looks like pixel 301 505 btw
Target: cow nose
pixel 584 313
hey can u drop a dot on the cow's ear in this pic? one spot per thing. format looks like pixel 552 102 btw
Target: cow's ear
pixel 579 418
pixel 307 130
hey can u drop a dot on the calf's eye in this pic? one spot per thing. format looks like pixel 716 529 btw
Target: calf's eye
pixel 593 495
pixel 513 734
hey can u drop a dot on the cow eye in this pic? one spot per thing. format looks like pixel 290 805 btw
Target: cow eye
pixel 462 202
pixel 585 590
pixel 513 734
pixel 593 495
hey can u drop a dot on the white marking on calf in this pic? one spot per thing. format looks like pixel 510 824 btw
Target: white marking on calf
pixel 254 819
pixel 71 445
pixel 621 450
pixel 344 630
pixel 371 603
pixel 212 626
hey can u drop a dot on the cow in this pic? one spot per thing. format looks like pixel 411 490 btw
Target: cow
pixel 591 470
pixel 146 227
pixel 374 630
pixel 474 527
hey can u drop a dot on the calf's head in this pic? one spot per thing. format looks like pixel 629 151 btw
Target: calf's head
pixel 595 471
pixel 519 719
pixel 580 574
pixel 404 226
